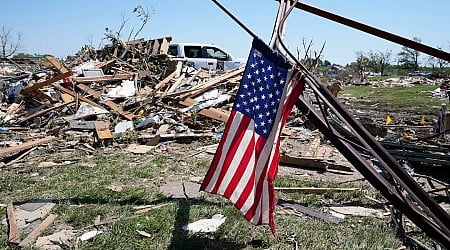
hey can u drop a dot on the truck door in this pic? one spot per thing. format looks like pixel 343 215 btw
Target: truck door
pixel 196 55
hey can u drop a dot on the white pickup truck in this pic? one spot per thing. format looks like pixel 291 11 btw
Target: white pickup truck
pixel 204 56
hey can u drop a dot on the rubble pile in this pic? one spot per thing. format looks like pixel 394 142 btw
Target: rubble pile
pixel 100 102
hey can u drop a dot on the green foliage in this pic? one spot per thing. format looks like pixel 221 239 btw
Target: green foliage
pixel 409 58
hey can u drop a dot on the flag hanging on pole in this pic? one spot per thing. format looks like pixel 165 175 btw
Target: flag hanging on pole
pixel 246 161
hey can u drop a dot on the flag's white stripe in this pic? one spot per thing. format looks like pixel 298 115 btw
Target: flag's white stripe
pixel 226 146
pixel 246 176
pixel 257 213
pixel 265 201
pixel 237 159
pixel 249 202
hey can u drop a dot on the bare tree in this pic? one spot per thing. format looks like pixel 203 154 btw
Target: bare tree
pixel 114 37
pixel 143 15
pixel 311 58
pixel 438 65
pixel 361 63
pixel 9 44
pixel 379 61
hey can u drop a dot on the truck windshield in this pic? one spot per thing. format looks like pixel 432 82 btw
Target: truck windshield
pixel 216 53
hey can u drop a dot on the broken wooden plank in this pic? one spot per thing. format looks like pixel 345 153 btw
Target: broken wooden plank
pixel 112 105
pixel 174 86
pixel 39 113
pixel 20 157
pixel 39 95
pixel 107 64
pixel 31 238
pixel 178 136
pixel 77 95
pixel 67 98
pixel 186 136
pixel 212 83
pixel 309 211
pixel 13 231
pixel 59 67
pixel 106 78
pixel 315 163
pixel 312 147
pixel 39 85
pixel 214 113
pixel 102 130
pixel 165 81
pixel 313 190
pixel 146 208
pixel 407 126
pixel 6 151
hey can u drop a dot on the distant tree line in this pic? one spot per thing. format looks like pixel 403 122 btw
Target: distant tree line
pixel 407 60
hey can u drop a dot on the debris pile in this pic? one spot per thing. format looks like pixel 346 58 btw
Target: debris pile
pixel 122 98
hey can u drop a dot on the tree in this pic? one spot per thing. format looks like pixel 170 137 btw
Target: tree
pixel 311 58
pixel 326 63
pixel 9 44
pixel 141 13
pixel 361 63
pixel 378 61
pixel 409 58
pixel 438 65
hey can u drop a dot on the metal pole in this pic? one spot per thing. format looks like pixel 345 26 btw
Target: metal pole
pixel 374 178
pixel 375 31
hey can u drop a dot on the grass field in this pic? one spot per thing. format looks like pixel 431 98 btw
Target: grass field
pixel 415 98
pixel 81 193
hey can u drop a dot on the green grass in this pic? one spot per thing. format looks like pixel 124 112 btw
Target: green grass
pixel 81 194
pixel 378 78
pixel 414 97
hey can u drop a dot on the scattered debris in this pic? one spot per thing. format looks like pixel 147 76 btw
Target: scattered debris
pixel 57 241
pixel 206 225
pixel 89 235
pixel 14 234
pixel 29 240
pixel 144 234
pixel 309 211
pixel 315 190
pixel 358 211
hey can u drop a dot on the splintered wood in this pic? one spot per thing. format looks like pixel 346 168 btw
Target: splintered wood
pixel 14 234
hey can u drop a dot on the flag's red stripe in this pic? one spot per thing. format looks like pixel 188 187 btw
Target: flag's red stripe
pixel 245 161
pixel 236 141
pixel 213 167
pixel 257 199
pixel 251 183
pixel 258 187
pixel 272 197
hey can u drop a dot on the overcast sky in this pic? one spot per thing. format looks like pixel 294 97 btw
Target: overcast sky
pixel 61 28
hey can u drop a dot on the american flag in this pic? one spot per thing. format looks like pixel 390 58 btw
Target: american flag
pixel 246 161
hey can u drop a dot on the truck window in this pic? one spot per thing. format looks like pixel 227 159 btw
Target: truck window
pixel 173 51
pixel 216 53
pixel 193 51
